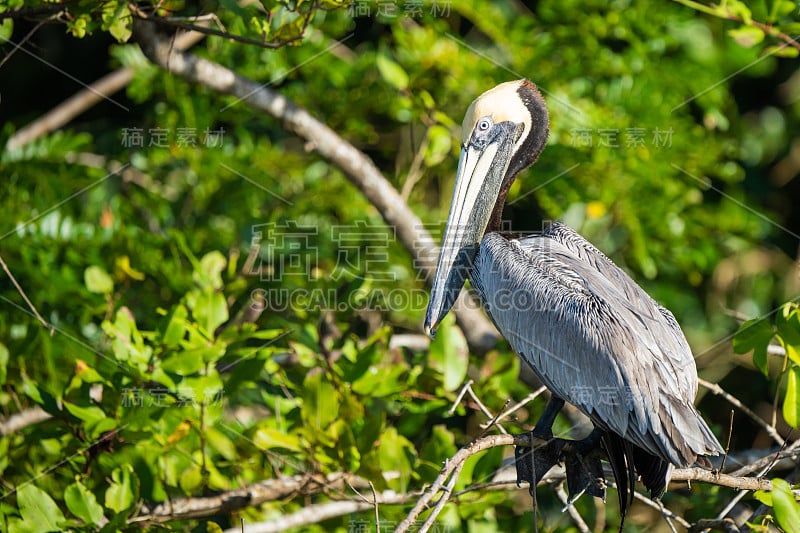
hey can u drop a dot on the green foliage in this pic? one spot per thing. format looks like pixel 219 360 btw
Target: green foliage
pixel 194 352
pixel 756 335
pixel 784 504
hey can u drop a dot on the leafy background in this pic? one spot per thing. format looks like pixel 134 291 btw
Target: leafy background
pixel 171 367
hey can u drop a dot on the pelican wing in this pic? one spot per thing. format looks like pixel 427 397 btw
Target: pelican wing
pixel 595 339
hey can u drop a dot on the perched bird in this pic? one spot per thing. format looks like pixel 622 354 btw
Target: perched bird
pixel 593 336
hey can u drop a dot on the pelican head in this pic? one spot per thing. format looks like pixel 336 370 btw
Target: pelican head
pixel 503 133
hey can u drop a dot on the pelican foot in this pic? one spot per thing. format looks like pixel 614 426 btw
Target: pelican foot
pixel 533 463
pixel 581 460
pixel 584 471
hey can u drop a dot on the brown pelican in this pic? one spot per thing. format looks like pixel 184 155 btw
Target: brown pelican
pixel 585 328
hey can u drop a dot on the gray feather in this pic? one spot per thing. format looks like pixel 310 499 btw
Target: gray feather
pixel 596 339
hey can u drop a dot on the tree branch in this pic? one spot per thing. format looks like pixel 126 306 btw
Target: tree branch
pixel 23 419
pixel 769 428
pixel 357 166
pixel 85 99
pixel 316 513
pixel 311 484
pixel 252 495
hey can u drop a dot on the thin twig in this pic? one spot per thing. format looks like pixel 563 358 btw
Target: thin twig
pixel 377 514
pixel 656 505
pixel 726 524
pixel 485 410
pixel 460 397
pixel 769 460
pixel 719 391
pixel 522 403
pixel 728 445
pixel 716 11
pixel 573 513
pixel 25 297
pixel 443 499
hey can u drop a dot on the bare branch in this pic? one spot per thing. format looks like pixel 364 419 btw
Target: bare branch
pixel 573 513
pixel 252 495
pixel 90 96
pixel 717 390
pixel 359 168
pixel 316 513
pixel 460 397
pixel 21 292
pixel 310 485
pixel 725 524
pixel 770 461
pixel 522 403
pixel 23 419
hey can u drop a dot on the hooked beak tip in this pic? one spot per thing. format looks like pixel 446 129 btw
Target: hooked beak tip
pixel 430 330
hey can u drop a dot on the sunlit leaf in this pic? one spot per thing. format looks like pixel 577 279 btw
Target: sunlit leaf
pixel 38 509
pixel 83 504
pixel 3 362
pixel 97 280
pixel 787 509
pixel 449 354
pixel 791 402
pixel 391 72
pixel 397 457
pixel 755 335
pixel 747 36
pixel 121 494
pixel 320 401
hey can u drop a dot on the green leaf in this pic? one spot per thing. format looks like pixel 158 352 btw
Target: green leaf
pixel 209 272
pixel 392 72
pixel 176 327
pixel 380 381
pixel 439 144
pixel 97 280
pixel 123 490
pixel 782 50
pixel 221 443
pixel 396 457
pixel 449 354
pixel 82 503
pixel 38 509
pixel 3 363
pixel 191 478
pixel 89 414
pixel 764 497
pixel 210 310
pixel 184 363
pixel 120 27
pixel 787 321
pixel 266 438
pixel 6 30
pixel 128 344
pixel 791 403
pixel 747 36
pixel 755 335
pixel 787 510
pixel 320 401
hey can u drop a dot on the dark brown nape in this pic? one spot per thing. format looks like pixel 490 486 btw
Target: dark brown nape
pixel 530 149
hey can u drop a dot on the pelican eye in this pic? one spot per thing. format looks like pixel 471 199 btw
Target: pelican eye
pixel 483 124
